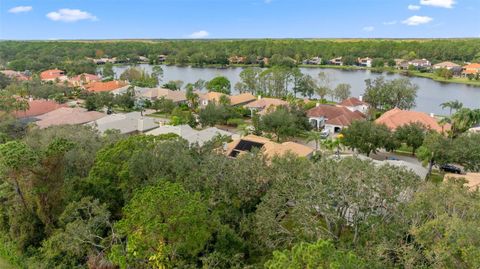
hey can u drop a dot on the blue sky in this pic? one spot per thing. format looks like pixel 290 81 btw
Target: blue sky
pixel 111 19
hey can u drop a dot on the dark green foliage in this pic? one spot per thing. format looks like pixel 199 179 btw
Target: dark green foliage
pixel 367 137
pixel 219 84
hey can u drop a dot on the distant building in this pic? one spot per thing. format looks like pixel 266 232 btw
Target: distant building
pixel 162 58
pixel 417 64
pixel 332 118
pixel 209 97
pixel 237 59
pixel 53 75
pixel 365 62
pixel 83 79
pixel 15 75
pixel 446 65
pixel 336 61
pixel 313 61
pixel 396 118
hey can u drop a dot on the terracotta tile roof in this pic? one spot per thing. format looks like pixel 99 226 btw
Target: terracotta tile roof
pixel 352 101
pixel 211 96
pixel 39 107
pixel 472 179
pixel 472 66
pixel 242 98
pixel 470 71
pixel 335 115
pixel 68 116
pixel 51 74
pixel 105 86
pixel 396 117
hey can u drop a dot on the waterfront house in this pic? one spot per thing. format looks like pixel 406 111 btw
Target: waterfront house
pixel 332 118
pixel 365 62
pixel 313 61
pixel 336 61
pixel 418 64
pixel 471 69
pixel 446 65
pixel 237 59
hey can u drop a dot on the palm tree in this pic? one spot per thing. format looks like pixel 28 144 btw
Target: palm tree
pixel 465 119
pixel 452 105
pixel 314 136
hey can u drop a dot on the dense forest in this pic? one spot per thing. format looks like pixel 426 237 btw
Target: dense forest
pixel 39 55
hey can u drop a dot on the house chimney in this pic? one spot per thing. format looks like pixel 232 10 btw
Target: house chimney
pixel 360 98
pixel 432 115
pixel 30 99
pixel 259 97
pixel 317 104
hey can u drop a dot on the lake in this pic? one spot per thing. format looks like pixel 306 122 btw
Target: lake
pixel 429 97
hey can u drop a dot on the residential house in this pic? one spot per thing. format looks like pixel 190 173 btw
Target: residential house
pixel 242 99
pixel 336 61
pixel 152 94
pixel 191 135
pixel 332 118
pixel 355 104
pixel 417 64
pixel 143 60
pixel 264 105
pixel 267 147
pixel 471 69
pixel 15 75
pixel 68 116
pixel 37 108
pixel 475 129
pixel 396 118
pixel 209 97
pixel 365 62
pixel 83 79
pixel 472 180
pixel 313 61
pixel 237 59
pixel 129 123
pixel 105 60
pixel 114 86
pixel 53 75
pixel 162 58
pixel 446 65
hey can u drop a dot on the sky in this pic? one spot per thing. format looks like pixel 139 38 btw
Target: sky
pixel 158 19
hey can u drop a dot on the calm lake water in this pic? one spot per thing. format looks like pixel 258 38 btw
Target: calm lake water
pixel 430 95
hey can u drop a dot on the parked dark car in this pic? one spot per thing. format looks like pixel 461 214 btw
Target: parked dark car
pixel 449 168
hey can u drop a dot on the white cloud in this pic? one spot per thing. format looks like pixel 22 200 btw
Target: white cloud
pixel 20 9
pixel 199 34
pixel 438 3
pixel 417 20
pixel 390 23
pixel 70 15
pixel 414 7
pixel 368 29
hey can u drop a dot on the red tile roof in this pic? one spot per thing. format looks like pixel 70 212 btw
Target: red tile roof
pixel 396 118
pixel 51 74
pixel 472 66
pixel 39 107
pixel 352 101
pixel 335 115
pixel 105 86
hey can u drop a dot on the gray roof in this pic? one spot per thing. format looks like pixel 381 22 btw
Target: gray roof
pixel 191 135
pixel 125 123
